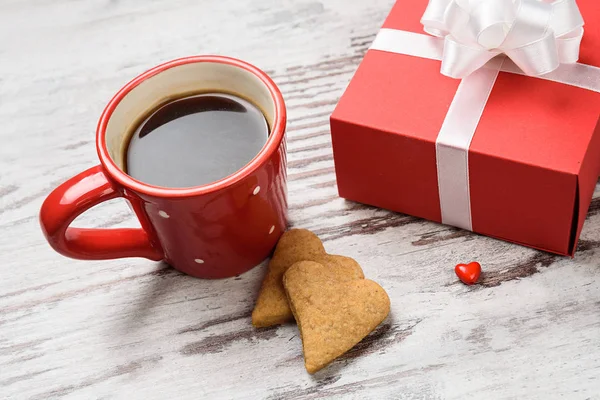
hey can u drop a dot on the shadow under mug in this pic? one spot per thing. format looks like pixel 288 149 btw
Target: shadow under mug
pixel 212 231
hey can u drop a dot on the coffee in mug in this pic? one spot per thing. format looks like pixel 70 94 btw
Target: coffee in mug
pixel 195 140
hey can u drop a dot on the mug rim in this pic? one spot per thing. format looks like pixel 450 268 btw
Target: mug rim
pixel 273 142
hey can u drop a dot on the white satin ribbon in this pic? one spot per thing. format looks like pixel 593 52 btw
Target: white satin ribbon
pixel 536 35
pixel 424 46
pixel 458 128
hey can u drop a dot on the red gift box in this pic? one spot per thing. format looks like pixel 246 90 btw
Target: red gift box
pixel 533 161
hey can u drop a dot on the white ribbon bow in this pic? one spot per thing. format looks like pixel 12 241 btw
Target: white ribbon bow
pixel 538 35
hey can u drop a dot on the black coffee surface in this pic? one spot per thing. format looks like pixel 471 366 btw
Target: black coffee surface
pixel 196 140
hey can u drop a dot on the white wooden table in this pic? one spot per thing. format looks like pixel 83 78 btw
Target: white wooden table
pixel 136 329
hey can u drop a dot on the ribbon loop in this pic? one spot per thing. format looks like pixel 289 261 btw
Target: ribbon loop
pixel 433 18
pixel 459 60
pixel 537 35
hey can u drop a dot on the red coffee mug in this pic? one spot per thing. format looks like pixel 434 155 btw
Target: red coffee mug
pixel 212 231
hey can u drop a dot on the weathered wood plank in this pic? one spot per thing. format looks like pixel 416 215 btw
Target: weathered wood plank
pixel 136 329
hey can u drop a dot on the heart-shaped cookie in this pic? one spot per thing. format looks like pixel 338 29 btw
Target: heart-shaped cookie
pixel 468 273
pixel 332 316
pixel 295 245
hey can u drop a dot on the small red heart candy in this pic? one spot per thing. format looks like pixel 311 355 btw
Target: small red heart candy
pixel 468 273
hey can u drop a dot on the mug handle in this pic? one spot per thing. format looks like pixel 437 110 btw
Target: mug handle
pixel 74 197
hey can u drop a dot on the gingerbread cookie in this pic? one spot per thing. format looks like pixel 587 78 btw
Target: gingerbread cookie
pixel 295 245
pixel 332 315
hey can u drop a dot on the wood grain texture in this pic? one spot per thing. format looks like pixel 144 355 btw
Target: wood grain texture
pixel 136 329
